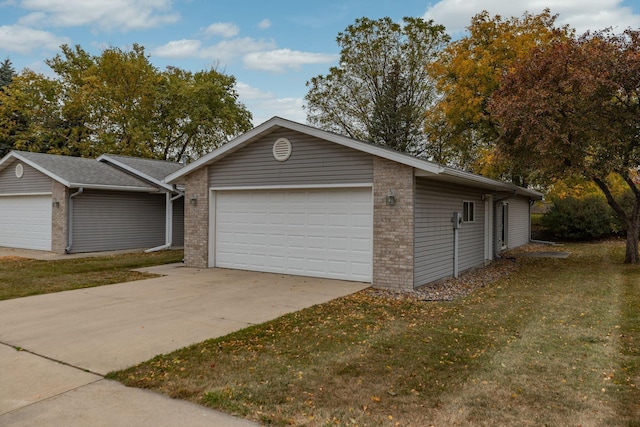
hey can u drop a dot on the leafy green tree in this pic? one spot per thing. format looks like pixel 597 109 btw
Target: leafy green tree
pixel 467 73
pixel 380 90
pixel 572 108
pixel 120 89
pixel 120 103
pixel 7 73
pixel 30 114
pixel 197 112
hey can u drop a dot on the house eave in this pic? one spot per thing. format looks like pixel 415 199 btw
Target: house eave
pixel 108 159
pixel 462 177
pixel 74 185
pixel 422 168
pixel 278 122
pixel 34 165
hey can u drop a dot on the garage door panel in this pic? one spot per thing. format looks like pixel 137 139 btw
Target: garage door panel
pixel 319 233
pixel 26 222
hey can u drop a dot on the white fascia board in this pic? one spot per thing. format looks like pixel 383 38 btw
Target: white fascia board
pixel 491 183
pixel 114 188
pixel 107 159
pixel 36 167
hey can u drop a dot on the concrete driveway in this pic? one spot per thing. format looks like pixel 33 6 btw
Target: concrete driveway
pixel 71 339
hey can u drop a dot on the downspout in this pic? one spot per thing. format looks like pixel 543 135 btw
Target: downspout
pixel 496 253
pixel 70 219
pixel 168 224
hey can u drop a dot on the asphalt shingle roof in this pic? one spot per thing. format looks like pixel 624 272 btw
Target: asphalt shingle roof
pixel 157 169
pixel 82 172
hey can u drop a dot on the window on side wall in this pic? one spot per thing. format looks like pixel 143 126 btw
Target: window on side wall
pixel 468 211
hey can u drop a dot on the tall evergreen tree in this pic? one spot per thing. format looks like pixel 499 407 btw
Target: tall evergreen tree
pixel 7 72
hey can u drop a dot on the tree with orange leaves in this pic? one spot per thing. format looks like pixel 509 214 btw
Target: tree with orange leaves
pixel 572 108
pixel 467 73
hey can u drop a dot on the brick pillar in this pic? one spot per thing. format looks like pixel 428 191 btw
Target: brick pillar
pixel 196 219
pixel 393 226
pixel 59 217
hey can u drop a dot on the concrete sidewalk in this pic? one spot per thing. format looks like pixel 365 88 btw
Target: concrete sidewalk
pixel 73 338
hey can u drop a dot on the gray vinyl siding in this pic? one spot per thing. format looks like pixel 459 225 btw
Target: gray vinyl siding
pixel 178 222
pixel 313 161
pixel 108 220
pixel 32 181
pixel 519 222
pixel 435 203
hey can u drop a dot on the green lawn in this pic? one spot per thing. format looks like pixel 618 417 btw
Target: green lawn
pixel 20 277
pixel 555 343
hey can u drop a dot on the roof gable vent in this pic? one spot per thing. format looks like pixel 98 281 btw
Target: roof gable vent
pixel 282 149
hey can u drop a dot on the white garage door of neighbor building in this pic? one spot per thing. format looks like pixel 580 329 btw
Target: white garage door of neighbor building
pixel 25 222
pixel 320 232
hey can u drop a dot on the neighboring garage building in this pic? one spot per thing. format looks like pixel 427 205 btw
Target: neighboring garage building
pixel 70 204
pixel 288 198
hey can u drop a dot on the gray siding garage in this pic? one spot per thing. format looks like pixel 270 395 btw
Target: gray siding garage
pixel 115 220
pixel 298 216
pixel 292 199
pixel 70 204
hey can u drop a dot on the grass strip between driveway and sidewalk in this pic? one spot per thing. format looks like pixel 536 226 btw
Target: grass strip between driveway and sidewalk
pixel 20 277
pixel 554 343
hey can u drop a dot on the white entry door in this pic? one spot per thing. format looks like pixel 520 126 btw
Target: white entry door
pixel 316 232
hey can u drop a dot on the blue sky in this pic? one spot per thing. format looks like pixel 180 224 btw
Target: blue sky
pixel 272 47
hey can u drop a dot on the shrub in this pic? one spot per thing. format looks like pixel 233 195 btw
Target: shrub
pixel 580 218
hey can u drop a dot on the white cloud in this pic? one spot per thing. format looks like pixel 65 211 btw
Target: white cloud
pixel 228 50
pixel 582 15
pixel 264 24
pixel 264 105
pixel 20 39
pixel 224 52
pixel 224 29
pixel 179 49
pixel 121 15
pixel 280 60
pixel 248 92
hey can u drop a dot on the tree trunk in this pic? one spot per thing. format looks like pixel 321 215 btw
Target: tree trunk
pixel 631 221
pixel 631 254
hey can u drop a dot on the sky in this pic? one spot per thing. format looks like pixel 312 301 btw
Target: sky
pixel 272 48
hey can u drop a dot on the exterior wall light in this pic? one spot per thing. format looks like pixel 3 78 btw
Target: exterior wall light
pixel 194 199
pixel 391 198
pixel 56 203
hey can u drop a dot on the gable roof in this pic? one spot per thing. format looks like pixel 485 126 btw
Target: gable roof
pixel 76 172
pixel 151 170
pixel 422 167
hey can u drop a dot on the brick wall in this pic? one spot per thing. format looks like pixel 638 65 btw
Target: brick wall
pixel 59 218
pixel 196 219
pixel 393 226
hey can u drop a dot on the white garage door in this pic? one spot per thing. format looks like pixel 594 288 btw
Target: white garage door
pixel 321 233
pixel 25 222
